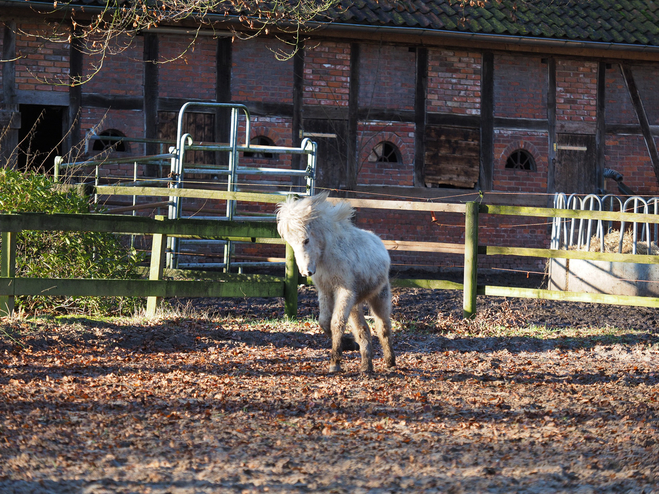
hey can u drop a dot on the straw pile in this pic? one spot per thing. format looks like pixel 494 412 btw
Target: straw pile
pixel 612 239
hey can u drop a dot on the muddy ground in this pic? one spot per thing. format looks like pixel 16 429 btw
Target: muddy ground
pixel 226 396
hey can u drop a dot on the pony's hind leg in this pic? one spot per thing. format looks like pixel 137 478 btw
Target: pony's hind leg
pixel 381 307
pixel 363 336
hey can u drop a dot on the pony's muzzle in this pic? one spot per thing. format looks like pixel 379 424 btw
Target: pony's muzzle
pixel 307 272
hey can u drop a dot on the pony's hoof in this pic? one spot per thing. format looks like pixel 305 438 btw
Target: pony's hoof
pixel 334 368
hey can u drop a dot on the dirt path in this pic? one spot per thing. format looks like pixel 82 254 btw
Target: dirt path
pixel 217 404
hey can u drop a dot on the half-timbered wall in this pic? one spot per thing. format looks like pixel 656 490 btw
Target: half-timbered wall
pixel 421 106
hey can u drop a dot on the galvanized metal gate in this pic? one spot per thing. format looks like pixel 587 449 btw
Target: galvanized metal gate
pixel 302 180
pixel 180 169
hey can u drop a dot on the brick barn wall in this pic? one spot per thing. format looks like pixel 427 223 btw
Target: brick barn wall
pixel 372 173
pixel 327 74
pixel 387 77
pixel 520 91
pixel 628 154
pixel 119 75
pixel 454 82
pixel 41 65
pixel 619 108
pixel 576 90
pixel 257 75
pixel 279 131
pixel 648 85
pixel 527 181
pixel 520 87
pixel 188 71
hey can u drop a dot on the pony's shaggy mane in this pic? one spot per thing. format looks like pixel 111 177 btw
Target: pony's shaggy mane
pixel 294 216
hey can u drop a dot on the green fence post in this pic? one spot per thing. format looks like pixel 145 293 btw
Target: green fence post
pixel 158 251
pixel 290 284
pixel 471 260
pixel 7 270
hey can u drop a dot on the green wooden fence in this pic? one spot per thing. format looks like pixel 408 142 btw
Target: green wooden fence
pixel 472 250
pixel 237 285
pixel 154 288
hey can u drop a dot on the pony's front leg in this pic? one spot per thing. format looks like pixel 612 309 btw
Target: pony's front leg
pixel 326 306
pixel 344 301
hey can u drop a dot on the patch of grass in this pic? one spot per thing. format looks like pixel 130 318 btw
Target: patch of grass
pixel 55 254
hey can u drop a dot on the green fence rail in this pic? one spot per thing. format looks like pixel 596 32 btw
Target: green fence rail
pixel 155 288
pixel 472 250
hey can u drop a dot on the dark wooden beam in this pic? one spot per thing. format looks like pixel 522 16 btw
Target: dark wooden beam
pixel 551 127
pixel 420 98
pixel 10 101
pixel 10 118
pixel 629 129
pixel 487 123
pixel 151 97
pixel 75 91
pixel 95 100
pixel 453 120
pixel 642 116
pixel 600 135
pixel 223 68
pixel 353 117
pixel 298 108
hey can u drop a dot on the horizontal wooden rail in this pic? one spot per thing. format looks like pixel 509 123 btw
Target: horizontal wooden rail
pixel 118 190
pixel 138 288
pixel 599 298
pixel 403 205
pixel 274 198
pixel 430 284
pixel 193 228
pixel 567 254
pixel 569 213
pixel 439 247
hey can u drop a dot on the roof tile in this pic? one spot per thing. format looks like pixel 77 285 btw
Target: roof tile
pixel 618 21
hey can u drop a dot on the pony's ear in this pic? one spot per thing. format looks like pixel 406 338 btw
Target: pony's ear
pixel 319 198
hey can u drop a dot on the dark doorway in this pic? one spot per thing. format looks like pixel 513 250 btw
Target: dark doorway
pixel 40 136
pixel 575 171
pixel 332 139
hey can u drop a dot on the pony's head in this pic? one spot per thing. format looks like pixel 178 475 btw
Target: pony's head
pixel 308 224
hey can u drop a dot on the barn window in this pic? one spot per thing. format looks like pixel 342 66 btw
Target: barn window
pixel 261 141
pixel 452 157
pixel 520 159
pixel 385 152
pixel 103 144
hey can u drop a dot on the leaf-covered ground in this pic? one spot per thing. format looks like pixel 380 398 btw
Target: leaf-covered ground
pixel 235 399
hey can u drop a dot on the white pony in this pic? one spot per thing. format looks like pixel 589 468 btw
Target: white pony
pixel 349 266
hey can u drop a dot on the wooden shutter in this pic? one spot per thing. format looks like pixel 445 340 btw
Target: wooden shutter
pixel 452 157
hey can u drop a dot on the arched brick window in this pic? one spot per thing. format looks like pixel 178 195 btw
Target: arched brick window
pixel 520 159
pixel 261 141
pixel 385 152
pixel 117 145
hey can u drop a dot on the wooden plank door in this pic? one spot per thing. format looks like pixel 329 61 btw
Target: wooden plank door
pixel 575 170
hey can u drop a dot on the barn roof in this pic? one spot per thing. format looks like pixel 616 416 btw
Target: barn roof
pixel 629 23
